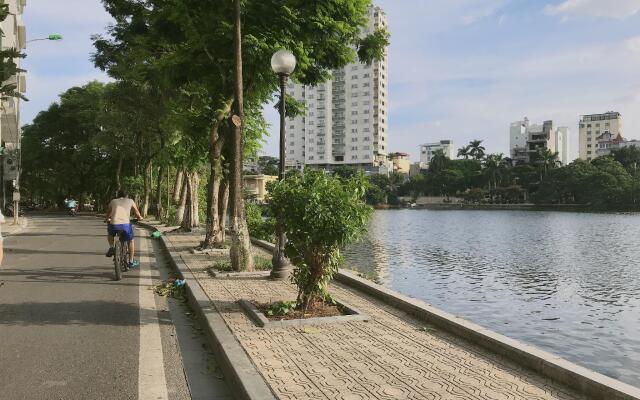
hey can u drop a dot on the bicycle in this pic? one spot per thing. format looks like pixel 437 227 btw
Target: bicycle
pixel 121 254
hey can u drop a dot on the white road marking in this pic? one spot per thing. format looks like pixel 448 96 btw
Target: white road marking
pixel 152 383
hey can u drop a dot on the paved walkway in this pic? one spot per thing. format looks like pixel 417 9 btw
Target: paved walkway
pixel 393 356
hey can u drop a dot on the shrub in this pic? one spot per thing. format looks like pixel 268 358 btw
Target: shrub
pixel 259 226
pixel 320 215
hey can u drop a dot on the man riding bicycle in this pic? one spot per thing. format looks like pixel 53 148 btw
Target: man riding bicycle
pixel 118 215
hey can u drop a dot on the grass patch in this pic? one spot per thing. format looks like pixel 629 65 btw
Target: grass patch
pixel 260 264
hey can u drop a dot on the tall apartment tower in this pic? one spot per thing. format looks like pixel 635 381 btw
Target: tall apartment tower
pixel 14 37
pixel 526 138
pixel 592 127
pixel 347 118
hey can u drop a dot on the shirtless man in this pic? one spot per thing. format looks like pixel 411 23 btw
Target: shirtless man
pixel 118 219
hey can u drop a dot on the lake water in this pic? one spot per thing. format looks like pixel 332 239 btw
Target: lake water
pixel 568 283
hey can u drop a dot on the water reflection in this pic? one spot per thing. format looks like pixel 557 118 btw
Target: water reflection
pixel 565 282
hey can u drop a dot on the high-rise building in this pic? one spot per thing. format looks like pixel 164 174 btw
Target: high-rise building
pixel 526 139
pixel 594 126
pixel 13 36
pixel 347 118
pixel 428 150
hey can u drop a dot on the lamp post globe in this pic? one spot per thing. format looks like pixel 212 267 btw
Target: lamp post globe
pixel 283 62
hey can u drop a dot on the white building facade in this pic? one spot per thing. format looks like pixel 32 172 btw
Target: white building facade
pixel 526 138
pixel 347 118
pixel 592 127
pixel 428 150
pixel 14 36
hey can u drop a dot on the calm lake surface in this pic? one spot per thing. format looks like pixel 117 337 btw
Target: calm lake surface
pixel 568 283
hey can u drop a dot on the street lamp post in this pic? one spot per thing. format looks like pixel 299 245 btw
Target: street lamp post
pixel 283 63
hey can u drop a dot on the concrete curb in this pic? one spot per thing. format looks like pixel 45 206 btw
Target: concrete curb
pixel 587 382
pixel 244 379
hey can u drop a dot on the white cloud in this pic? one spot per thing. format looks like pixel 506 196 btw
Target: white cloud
pixel 594 8
pixel 633 44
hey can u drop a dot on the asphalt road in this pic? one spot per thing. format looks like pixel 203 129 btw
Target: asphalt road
pixel 69 331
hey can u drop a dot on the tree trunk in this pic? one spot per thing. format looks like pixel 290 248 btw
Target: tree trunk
pixel 223 203
pixel 119 172
pixel 216 142
pixel 182 201
pixel 190 218
pixel 177 189
pixel 159 208
pixel 147 188
pixel 241 254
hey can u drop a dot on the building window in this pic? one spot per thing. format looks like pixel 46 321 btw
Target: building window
pixel 368 103
pixel 354 131
pixel 291 152
pixel 310 157
pixel 588 145
pixel 354 112
pixel 581 125
pixel 367 139
pixel 366 157
pixel 366 121
pixel 366 84
pixel 588 125
pixel 354 148
pixel 354 94
pixel 354 76
pixel 354 86
pixel 589 132
pixel 366 75
pixel 598 125
pixel 366 111
pixel 366 130
pixel 589 152
pixel 367 147
pixel 588 139
pixel 354 104
pixel 354 121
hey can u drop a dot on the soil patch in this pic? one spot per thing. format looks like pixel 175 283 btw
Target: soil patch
pixel 316 310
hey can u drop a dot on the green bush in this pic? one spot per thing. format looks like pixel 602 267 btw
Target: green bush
pixel 320 215
pixel 259 226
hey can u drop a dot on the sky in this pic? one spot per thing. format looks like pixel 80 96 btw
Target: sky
pixel 458 69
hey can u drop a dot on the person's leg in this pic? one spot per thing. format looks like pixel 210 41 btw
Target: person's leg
pixel 111 234
pixel 1 250
pixel 132 249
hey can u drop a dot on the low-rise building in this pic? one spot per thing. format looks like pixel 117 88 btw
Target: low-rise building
pixel 428 150
pixel 401 162
pixel 608 142
pixel 256 185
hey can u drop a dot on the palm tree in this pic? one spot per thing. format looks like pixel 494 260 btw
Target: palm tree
pixel 493 163
pixel 464 152
pixel 476 150
pixel 438 162
pixel 545 159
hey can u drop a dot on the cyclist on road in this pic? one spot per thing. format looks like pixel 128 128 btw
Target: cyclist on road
pixel 71 204
pixel 118 219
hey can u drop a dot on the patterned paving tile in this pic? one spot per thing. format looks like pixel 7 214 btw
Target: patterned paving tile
pixel 393 356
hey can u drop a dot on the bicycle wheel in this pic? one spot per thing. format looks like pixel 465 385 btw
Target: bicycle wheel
pixel 124 259
pixel 117 258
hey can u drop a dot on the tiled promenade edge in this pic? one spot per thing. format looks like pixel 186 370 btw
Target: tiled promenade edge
pixel 393 356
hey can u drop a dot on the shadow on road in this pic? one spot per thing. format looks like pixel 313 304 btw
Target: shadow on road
pixel 72 313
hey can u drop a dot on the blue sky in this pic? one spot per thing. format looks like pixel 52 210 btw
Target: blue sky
pixel 459 69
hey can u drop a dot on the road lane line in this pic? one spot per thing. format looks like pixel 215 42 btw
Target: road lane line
pixel 152 382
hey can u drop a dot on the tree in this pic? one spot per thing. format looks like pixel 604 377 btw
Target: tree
pixel 438 162
pixel 464 152
pixel 320 215
pixel 629 157
pixel 476 150
pixel 8 66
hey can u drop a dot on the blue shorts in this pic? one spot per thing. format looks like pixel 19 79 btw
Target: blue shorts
pixel 127 229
